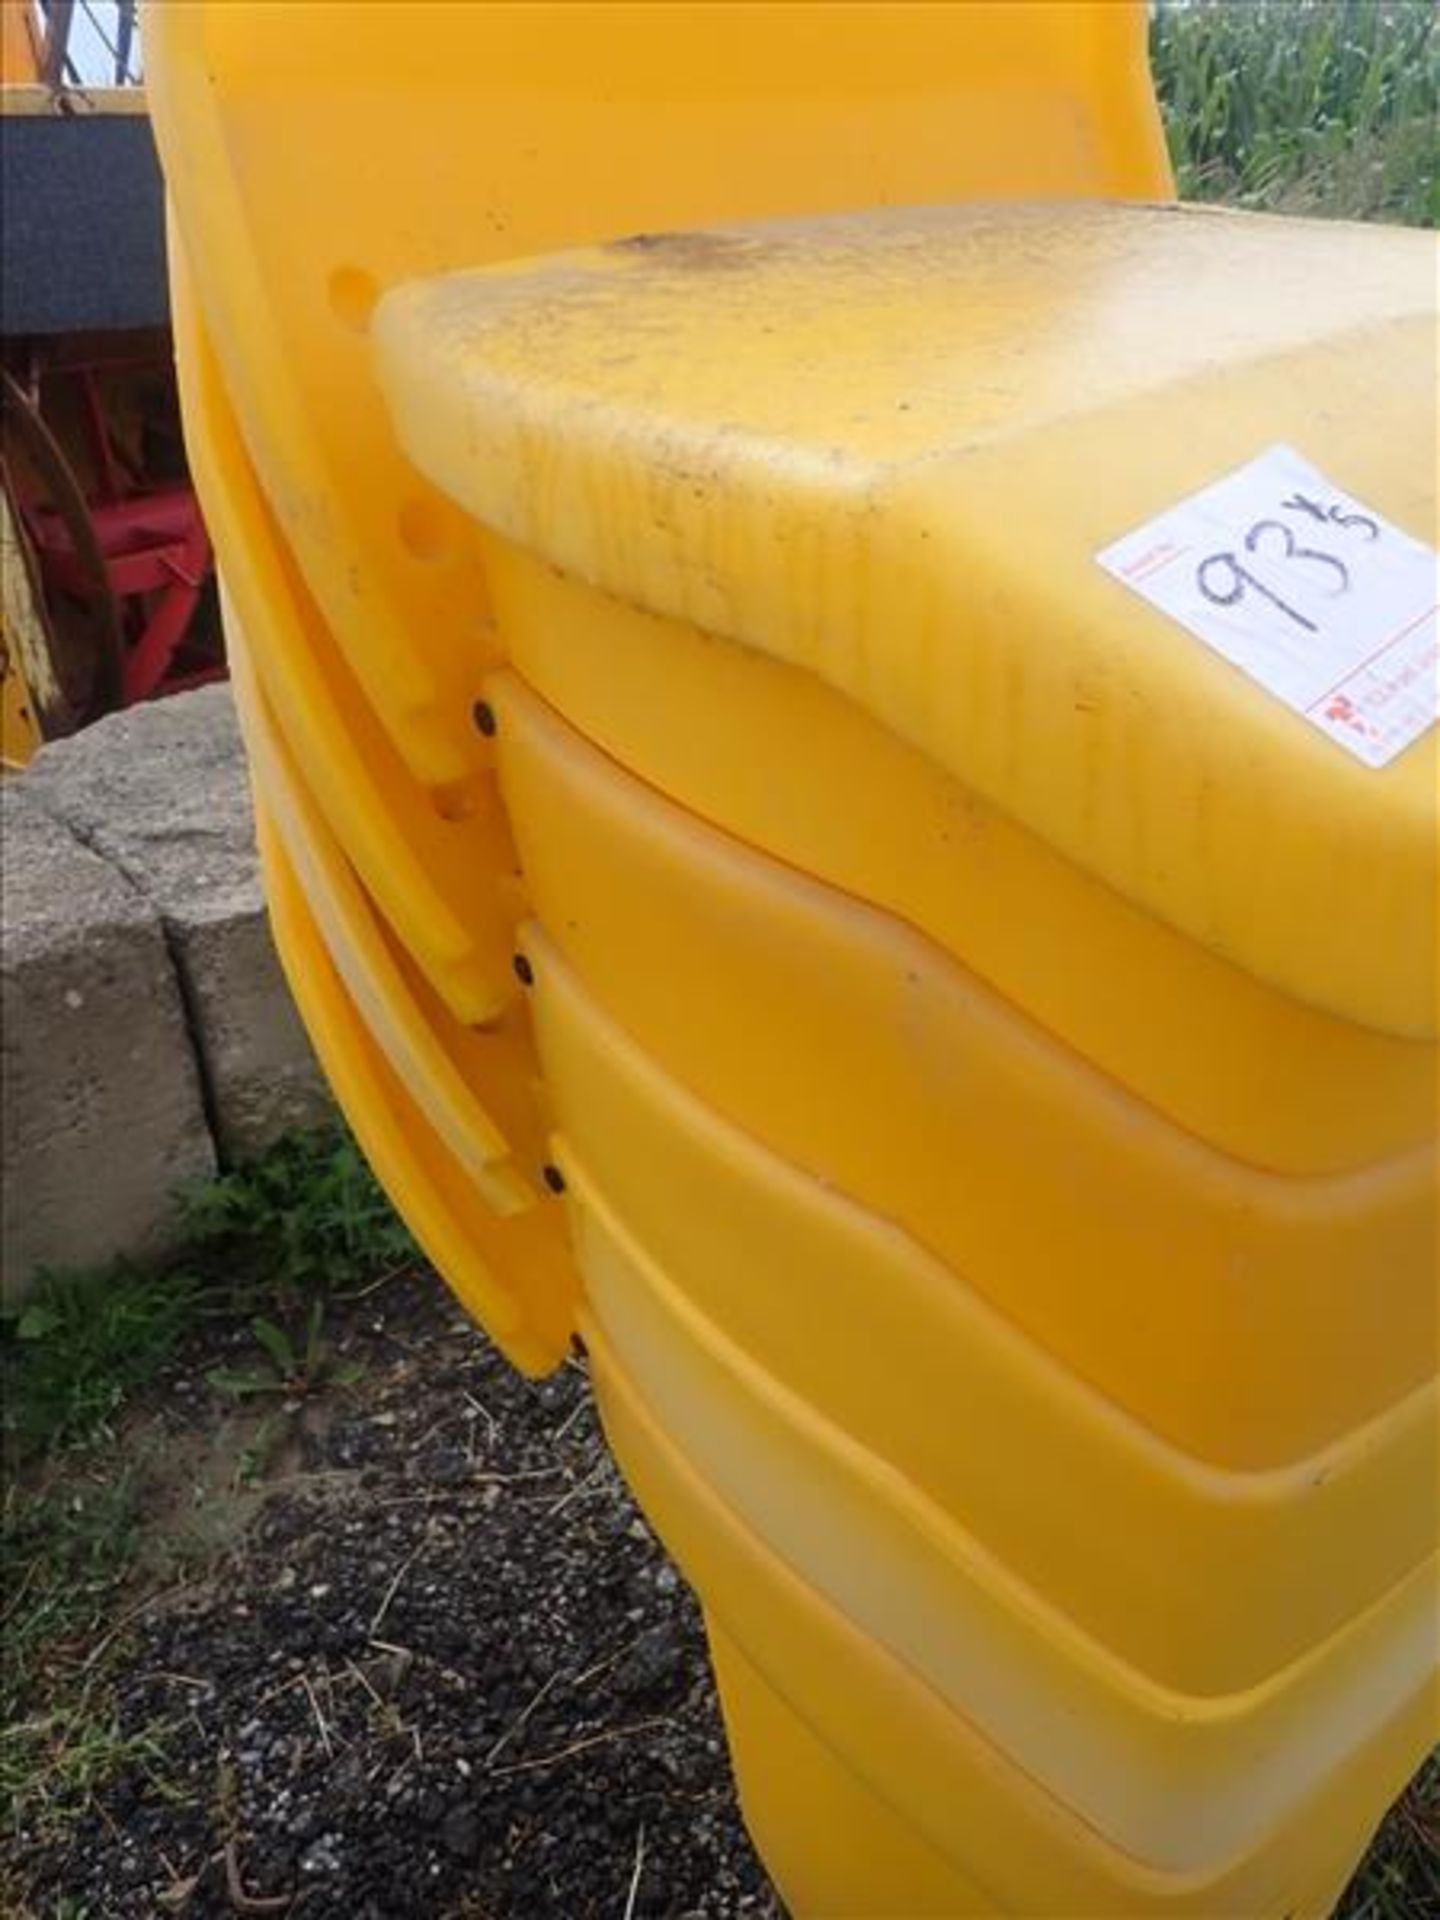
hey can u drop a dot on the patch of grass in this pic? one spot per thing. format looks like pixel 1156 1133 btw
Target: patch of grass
pixel 65 1554
pixel 303 1222
pixel 1318 106
pixel 1400 1878
pixel 307 1216
pixel 61 1552
pixel 50 1767
pixel 305 1219
pixel 84 1341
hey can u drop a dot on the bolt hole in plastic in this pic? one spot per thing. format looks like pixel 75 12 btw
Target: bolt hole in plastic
pixel 353 293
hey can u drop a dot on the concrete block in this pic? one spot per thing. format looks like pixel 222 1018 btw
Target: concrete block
pixel 101 1115
pixel 161 791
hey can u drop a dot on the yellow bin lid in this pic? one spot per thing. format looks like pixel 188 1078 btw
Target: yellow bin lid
pixel 1125 515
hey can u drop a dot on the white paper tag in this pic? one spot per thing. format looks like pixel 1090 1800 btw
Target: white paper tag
pixel 1330 607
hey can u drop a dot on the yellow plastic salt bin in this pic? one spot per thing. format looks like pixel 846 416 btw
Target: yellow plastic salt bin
pixel 938 1320
pixel 1159 1637
pixel 308 169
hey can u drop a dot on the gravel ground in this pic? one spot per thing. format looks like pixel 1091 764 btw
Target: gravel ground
pixel 443 1667
pixel 405 1647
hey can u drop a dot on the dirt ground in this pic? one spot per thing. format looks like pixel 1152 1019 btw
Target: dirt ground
pixel 398 1643
pixel 427 1660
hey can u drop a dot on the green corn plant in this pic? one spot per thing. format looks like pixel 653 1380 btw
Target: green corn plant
pixel 1313 106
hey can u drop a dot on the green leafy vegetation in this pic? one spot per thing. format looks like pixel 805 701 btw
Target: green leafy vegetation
pixel 84 1341
pixel 266 1242
pixel 1327 107
pixel 307 1216
pixel 290 1367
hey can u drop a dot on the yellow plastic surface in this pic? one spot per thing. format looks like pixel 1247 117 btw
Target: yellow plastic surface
pixel 782 761
pixel 478 1250
pixel 417 910
pixel 1233 1311
pixel 793 1787
pixel 420 865
pixel 886 447
pixel 449 1069
pixel 1209 1582
pixel 1174 1780
pixel 912 1754
pixel 310 169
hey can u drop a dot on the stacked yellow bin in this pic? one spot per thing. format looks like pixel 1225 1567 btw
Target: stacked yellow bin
pixel 1002 1169
pixel 985 1042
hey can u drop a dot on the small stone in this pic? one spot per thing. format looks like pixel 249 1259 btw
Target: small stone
pixel 323 1857
pixel 461 1832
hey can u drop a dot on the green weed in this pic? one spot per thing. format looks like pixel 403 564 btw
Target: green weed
pixel 304 1220
pixel 1315 106
pixel 61 1553
pixel 82 1342
pixel 254 1460
pixel 307 1216
pixel 294 1368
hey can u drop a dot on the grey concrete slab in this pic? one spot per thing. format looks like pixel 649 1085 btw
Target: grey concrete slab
pixel 161 791
pixel 101 1115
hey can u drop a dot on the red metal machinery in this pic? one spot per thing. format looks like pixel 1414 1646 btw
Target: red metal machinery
pixel 118 540
pixel 120 603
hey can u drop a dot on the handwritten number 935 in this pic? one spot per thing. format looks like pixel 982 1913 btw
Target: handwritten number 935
pixel 1224 579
